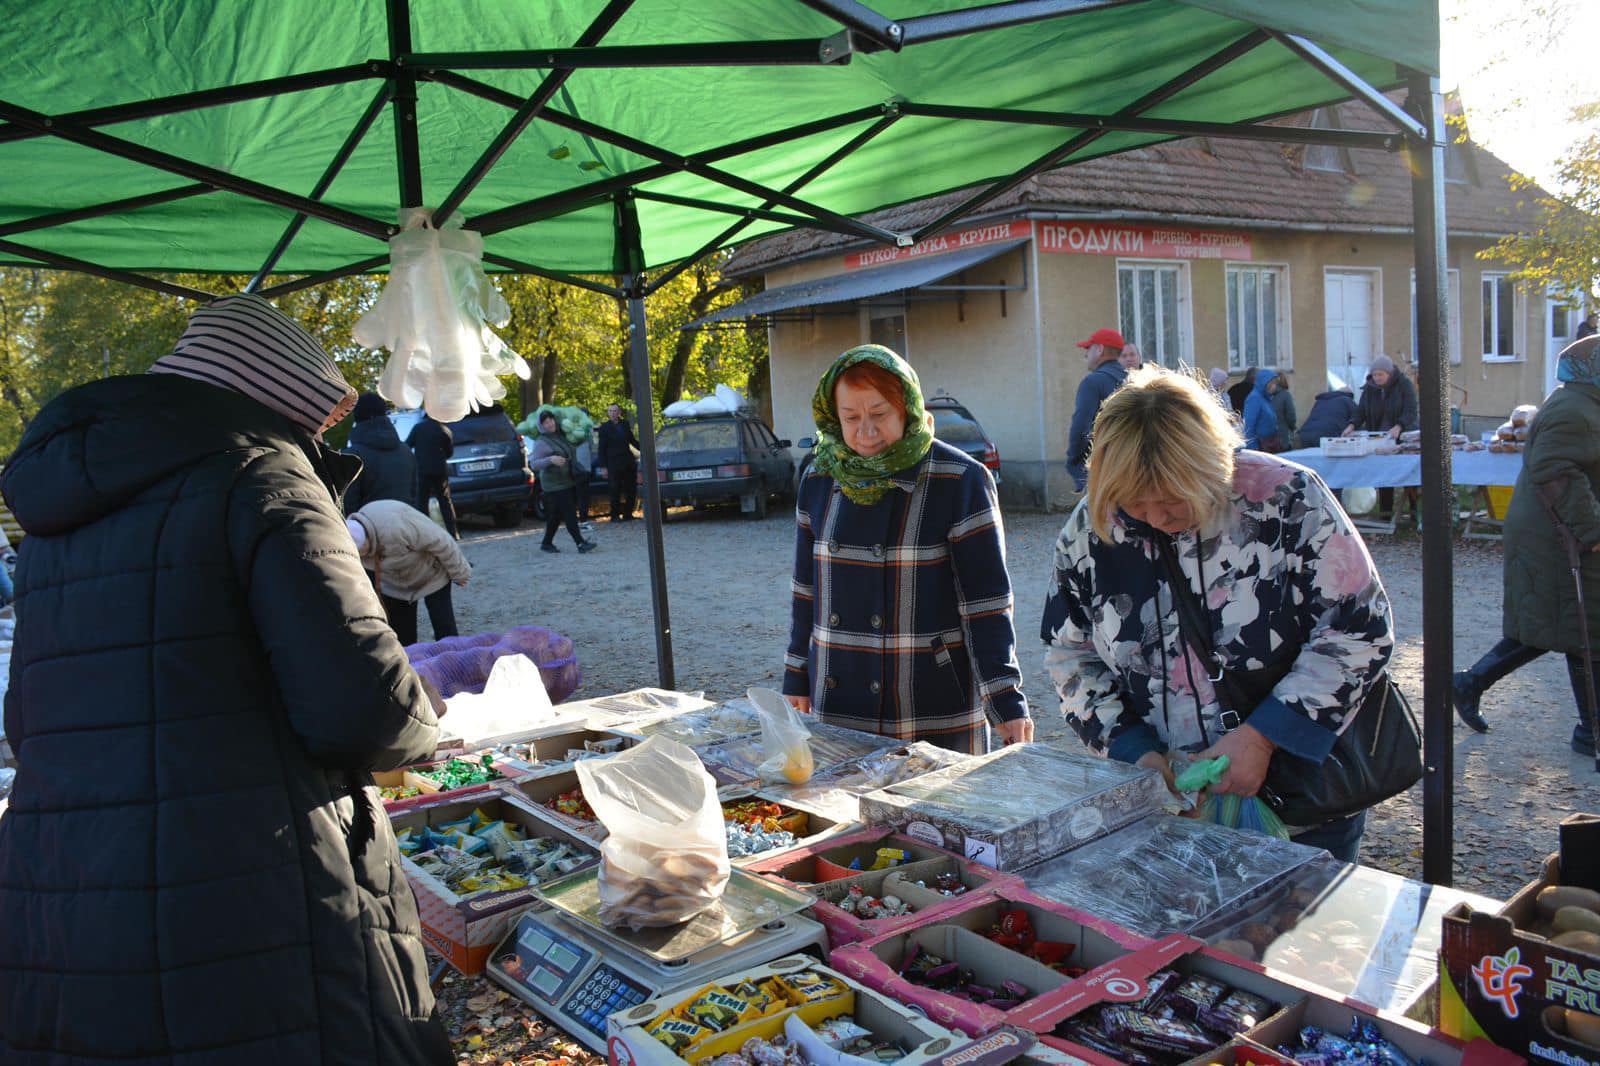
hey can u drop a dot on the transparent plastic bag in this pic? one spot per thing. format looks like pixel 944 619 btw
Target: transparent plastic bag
pixel 434 317
pixel 665 859
pixel 785 741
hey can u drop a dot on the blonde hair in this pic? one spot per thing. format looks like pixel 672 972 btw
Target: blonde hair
pixel 1161 434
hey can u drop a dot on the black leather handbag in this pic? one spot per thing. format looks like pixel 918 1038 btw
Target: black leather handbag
pixel 1378 756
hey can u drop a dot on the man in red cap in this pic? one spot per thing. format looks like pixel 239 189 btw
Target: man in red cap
pixel 1105 377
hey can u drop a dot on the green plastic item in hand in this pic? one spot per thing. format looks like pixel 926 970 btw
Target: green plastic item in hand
pixel 1201 774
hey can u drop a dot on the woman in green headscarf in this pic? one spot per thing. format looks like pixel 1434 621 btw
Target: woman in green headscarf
pixel 902 604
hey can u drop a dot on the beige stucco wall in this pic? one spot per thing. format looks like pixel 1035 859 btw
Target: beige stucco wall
pixel 1021 383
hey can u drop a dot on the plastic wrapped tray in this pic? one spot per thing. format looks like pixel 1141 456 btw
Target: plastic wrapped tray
pixel 1350 930
pixel 1167 874
pixel 1018 806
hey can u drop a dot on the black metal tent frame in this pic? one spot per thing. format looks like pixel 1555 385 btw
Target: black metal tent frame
pixel 1417 128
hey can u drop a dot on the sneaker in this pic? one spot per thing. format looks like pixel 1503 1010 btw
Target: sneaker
pixel 1582 741
pixel 549 548
pixel 587 527
pixel 1465 698
pixel 586 547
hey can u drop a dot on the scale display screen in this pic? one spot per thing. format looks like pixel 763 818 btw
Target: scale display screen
pixel 564 975
pixel 542 961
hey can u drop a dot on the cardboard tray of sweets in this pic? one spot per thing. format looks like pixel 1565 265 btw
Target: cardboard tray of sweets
pixel 415 776
pixel 465 931
pixel 1502 980
pixel 819 829
pixel 958 936
pixel 550 750
pixel 630 1044
pixel 1127 980
pixel 1343 930
pixel 823 869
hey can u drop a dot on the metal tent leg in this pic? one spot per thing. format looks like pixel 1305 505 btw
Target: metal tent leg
pixel 639 367
pixel 1433 367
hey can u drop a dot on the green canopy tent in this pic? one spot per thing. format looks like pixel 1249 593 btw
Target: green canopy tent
pixel 631 137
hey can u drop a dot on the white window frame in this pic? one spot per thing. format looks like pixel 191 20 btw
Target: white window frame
pixel 1285 361
pixel 1518 316
pixel 1453 333
pixel 1185 354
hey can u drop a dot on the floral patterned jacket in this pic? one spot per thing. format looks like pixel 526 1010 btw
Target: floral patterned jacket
pixel 1286 577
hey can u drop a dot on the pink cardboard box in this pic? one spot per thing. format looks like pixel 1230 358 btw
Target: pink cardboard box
pixel 958 936
pixel 799 866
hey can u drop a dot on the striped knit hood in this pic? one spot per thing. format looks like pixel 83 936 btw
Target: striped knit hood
pixel 244 344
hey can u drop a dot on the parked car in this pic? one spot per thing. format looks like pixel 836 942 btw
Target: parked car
pixel 956 426
pixel 952 423
pixel 489 469
pixel 723 459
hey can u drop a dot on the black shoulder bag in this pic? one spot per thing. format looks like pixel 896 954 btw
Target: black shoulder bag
pixel 1377 756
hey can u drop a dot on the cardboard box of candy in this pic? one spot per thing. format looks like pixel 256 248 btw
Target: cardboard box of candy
pixel 555 752
pixel 459 774
pixel 559 798
pixel 897 883
pixel 1017 806
pixel 759 827
pixel 985 965
pixel 473 863
pixel 1528 978
pixel 792 1012
pixel 1304 1028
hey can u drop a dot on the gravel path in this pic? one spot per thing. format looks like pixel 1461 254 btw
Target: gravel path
pixel 729 592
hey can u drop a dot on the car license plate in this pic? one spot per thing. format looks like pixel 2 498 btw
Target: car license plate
pixel 690 475
pixel 479 467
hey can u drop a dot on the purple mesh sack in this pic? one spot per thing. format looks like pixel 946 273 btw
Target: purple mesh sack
pixel 462 664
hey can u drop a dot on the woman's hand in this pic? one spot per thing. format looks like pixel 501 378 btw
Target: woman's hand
pixel 1017 731
pixel 800 703
pixel 1248 753
pixel 558 460
pixel 1154 760
pixel 1348 430
pixel 1394 432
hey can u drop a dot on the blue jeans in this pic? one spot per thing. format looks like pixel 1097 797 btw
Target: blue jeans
pixel 1341 837
pixel 1510 655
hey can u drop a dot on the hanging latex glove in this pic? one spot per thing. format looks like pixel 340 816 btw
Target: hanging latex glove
pixel 434 316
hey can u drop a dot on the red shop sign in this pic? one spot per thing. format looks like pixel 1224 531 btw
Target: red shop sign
pixel 944 242
pixel 1162 242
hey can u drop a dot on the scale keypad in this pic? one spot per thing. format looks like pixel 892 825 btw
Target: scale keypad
pixel 604 993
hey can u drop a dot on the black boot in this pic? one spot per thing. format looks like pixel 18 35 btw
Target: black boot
pixel 1464 694
pixel 1583 740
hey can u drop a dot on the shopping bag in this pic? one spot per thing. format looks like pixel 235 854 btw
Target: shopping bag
pixel 785 740
pixel 665 859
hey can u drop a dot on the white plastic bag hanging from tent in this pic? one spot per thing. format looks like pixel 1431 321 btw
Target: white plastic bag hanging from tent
pixel 434 316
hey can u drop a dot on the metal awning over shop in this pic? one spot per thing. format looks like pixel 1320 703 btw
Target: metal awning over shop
pixel 861 285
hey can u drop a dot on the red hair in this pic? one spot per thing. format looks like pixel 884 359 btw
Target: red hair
pixel 885 383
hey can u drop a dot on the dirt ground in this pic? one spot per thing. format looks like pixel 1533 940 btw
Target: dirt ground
pixel 728 582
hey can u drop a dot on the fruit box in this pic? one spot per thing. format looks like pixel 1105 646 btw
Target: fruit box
pixel 629 1042
pixel 465 931
pixel 958 936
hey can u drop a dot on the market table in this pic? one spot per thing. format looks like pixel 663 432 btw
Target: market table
pixel 1476 469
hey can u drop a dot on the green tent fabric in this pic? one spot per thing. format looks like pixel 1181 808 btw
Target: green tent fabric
pixel 72 56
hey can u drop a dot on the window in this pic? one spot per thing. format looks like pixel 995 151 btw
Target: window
pixel 1459 167
pixel 1153 311
pixel 1499 318
pixel 1452 320
pixel 1258 334
pixel 887 326
pixel 1326 156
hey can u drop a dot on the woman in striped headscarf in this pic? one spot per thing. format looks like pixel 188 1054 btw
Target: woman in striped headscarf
pixel 194 864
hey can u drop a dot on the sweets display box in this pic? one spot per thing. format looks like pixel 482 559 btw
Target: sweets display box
pixel 824 869
pixel 465 931
pixel 1017 806
pixel 629 1042
pixel 958 936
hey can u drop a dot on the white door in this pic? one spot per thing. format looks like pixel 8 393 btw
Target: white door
pixel 1561 319
pixel 1347 306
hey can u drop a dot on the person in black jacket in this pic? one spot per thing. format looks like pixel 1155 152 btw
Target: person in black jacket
pixel 1388 401
pixel 616 458
pixel 1240 391
pixel 195 866
pixel 1331 412
pixel 388 469
pixel 432 443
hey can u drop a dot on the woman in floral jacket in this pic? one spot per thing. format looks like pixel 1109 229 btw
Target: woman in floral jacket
pixel 1285 577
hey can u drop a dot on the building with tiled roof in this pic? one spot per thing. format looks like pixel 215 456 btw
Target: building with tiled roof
pixel 1204 252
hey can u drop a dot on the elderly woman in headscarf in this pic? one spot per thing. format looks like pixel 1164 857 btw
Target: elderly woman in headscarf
pixel 195 866
pixel 902 617
pixel 1541 605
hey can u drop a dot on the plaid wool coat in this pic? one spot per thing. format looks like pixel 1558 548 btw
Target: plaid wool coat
pixel 902 609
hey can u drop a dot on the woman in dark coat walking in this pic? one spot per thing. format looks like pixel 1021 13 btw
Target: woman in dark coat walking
pixel 902 610
pixel 1541 601
pixel 195 866
pixel 388 469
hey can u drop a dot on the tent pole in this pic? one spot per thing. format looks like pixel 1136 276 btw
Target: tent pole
pixel 1352 83
pixel 407 154
pixel 1438 489
pixel 113 207
pixel 630 253
pixel 127 277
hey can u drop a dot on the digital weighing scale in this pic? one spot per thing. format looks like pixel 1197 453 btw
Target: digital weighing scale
pixel 574 971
